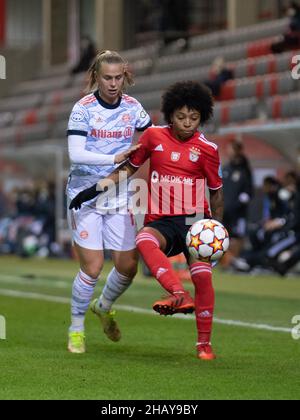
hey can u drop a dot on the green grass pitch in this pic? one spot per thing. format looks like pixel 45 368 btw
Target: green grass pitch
pixel 156 357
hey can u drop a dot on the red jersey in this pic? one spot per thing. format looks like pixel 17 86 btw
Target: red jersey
pixel 179 172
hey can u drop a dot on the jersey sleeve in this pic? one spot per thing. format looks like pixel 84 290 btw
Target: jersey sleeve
pixel 78 121
pixel 213 171
pixel 143 119
pixel 139 157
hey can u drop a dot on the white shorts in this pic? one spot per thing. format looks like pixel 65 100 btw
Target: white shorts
pixel 92 230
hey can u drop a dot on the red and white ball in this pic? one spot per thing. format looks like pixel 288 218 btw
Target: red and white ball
pixel 207 239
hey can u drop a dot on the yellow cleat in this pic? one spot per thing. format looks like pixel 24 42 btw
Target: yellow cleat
pixel 76 342
pixel 110 327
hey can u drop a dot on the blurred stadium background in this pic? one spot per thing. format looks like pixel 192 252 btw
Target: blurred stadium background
pixel 164 42
pixel 41 41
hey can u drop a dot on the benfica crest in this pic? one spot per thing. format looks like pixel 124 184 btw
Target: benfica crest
pixel 195 154
pixel 175 156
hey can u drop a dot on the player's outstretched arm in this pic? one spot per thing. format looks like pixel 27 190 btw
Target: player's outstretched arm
pixel 88 194
pixel 122 157
pixel 217 204
pixel 85 195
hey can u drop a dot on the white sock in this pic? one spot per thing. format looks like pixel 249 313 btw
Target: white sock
pixel 77 324
pixel 82 293
pixel 116 284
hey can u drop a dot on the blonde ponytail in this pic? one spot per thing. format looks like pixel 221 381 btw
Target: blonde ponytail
pixel 109 57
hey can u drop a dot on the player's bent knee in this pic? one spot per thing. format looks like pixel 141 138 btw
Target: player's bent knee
pixel 92 271
pixel 129 269
pixel 145 230
pixel 146 236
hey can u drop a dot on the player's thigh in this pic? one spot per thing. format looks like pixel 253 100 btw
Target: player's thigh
pixel 119 232
pixel 119 235
pixel 160 236
pixel 86 227
pixel 91 261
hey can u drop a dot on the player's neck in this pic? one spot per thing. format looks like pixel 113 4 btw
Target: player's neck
pixel 109 101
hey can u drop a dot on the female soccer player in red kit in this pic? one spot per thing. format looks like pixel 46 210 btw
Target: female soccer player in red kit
pixel 179 154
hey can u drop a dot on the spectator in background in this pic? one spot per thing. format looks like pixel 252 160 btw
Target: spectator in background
pixel 279 234
pixel 289 190
pixel 275 206
pixel 44 209
pixel 238 191
pixel 291 39
pixel 294 14
pixel 27 226
pixel 289 254
pixel 175 21
pixel 261 235
pixel 219 74
pixel 3 203
pixel 25 202
pixel 150 15
pixel 87 55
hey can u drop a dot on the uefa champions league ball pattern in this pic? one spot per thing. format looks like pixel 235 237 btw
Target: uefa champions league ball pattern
pixel 207 239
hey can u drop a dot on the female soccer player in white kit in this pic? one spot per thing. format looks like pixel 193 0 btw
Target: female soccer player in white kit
pixel 100 133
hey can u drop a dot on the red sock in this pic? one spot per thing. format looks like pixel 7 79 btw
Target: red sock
pixel 204 300
pixel 158 263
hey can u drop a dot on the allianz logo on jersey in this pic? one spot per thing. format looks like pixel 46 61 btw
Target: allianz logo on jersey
pixel 2 67
pixel 112 134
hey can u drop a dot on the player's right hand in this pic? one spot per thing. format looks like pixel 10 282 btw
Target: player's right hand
pixel 83 196
pixel 125 155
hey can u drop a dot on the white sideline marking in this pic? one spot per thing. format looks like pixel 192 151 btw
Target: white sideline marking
pixel 23 281
pixel 126 308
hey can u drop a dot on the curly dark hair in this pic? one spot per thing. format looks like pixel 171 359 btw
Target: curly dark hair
pixel 194 95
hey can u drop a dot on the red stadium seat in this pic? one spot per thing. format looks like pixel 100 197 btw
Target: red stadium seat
pixel 259 48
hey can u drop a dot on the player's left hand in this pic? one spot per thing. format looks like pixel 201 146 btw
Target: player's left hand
pixel 83 196
pixel 125 155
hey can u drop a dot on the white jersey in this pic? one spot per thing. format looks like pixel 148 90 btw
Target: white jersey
pixel 109 130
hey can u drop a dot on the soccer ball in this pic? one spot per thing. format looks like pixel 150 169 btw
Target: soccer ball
pixel 207 239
